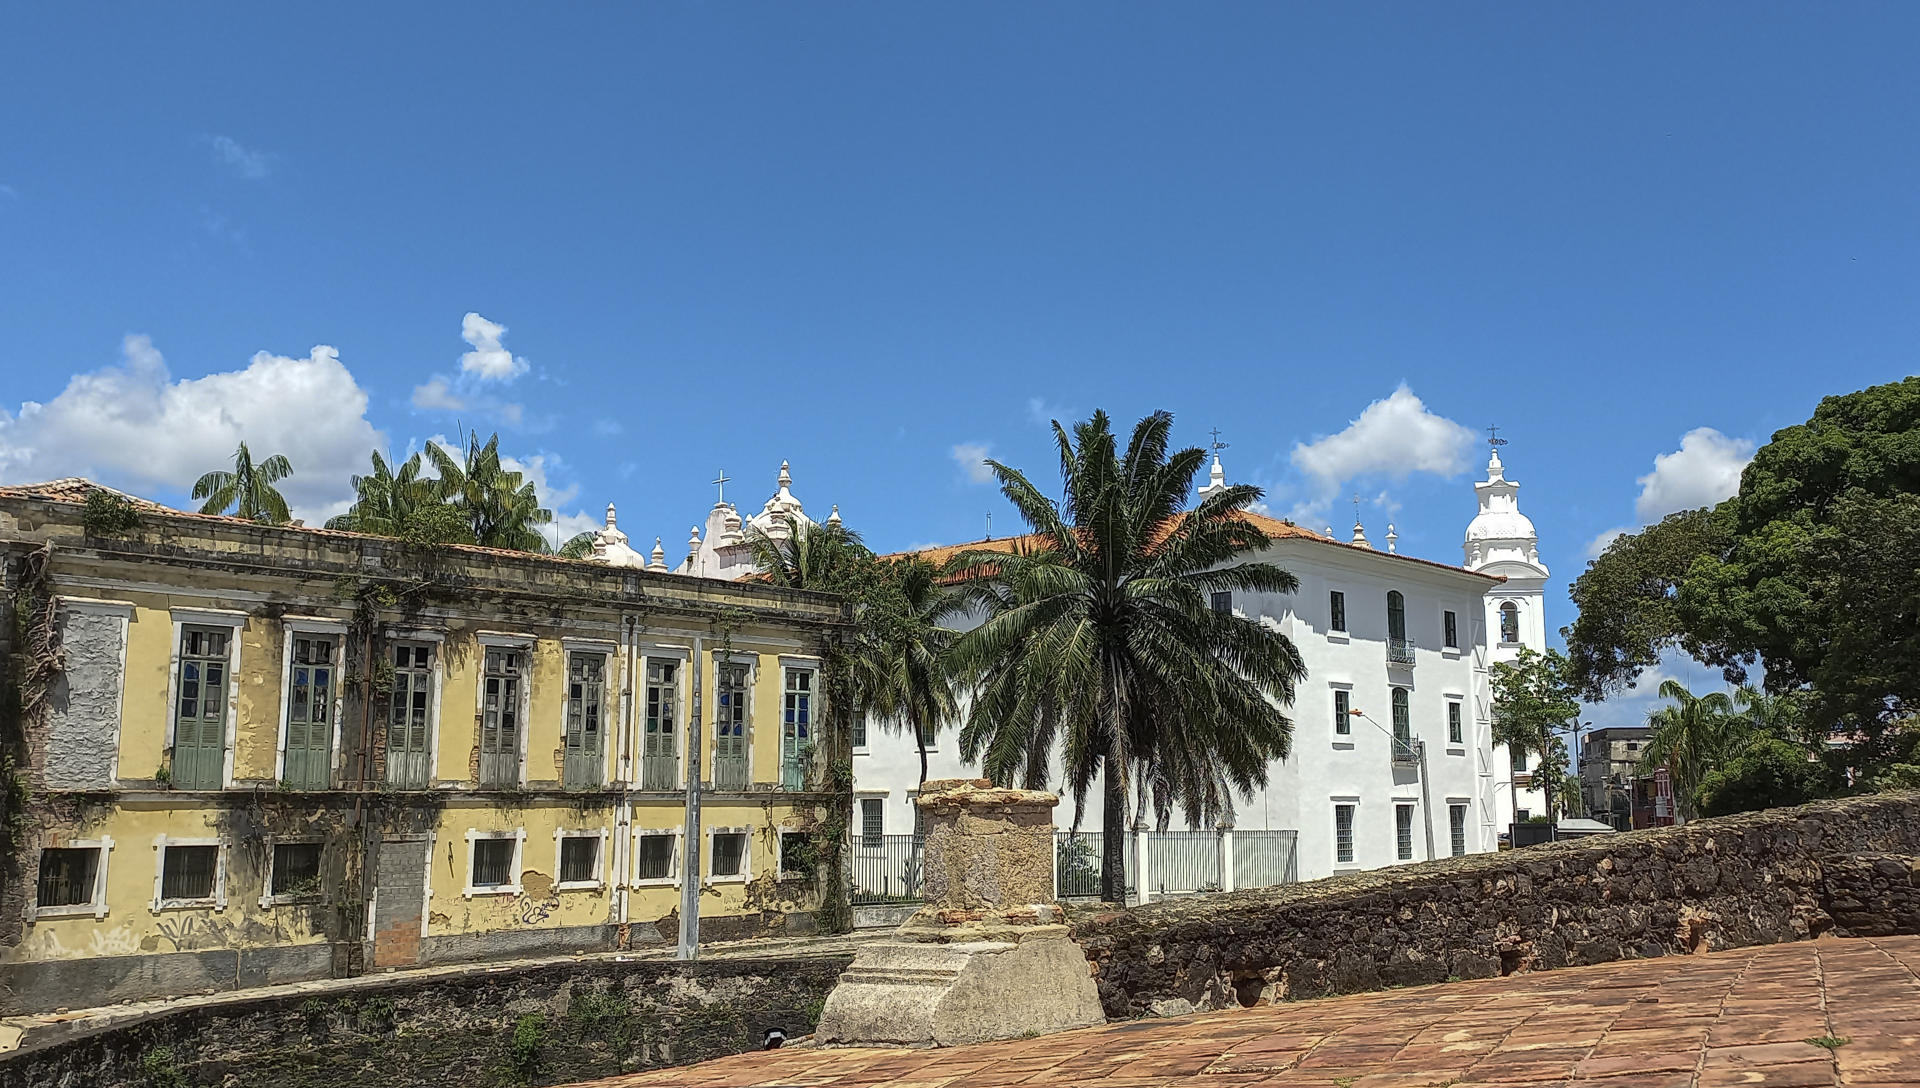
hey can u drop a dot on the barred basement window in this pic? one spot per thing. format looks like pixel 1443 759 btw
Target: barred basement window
pixel 1403 832
pixel 296 868
pixel 187 872
pixel 580 859
pixel 1343 833
pixel 1457 826
pixel 729 854
pixel 656 858
pixel 872 822
pixel 492 863
pixel 67 876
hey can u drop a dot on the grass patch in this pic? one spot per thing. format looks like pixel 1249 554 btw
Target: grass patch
pixel 1830 1042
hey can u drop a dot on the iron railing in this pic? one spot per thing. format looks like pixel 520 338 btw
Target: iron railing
pixel 1406 752
pixel 1399 651
pixel 887 869
pixel 1262 859
pixel 1076 864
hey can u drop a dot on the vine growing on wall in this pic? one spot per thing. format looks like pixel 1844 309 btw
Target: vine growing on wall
pixel 35 664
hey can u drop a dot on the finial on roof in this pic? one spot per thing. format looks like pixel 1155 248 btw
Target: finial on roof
pixel 1329 532
pixel 1359 530
pixel 786 478
pixel 610 521
pixel 658 560
pixel 1391 536
pixel 834 518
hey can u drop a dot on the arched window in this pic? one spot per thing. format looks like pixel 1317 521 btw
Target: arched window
pixel 1396 615
pixel 1509 622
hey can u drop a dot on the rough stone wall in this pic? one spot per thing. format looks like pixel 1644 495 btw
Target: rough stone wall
pixel 1757 878
pixel 83 711
pixel 554 1024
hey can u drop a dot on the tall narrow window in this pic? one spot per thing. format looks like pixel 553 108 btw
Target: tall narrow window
pixel 927 739
pixel 309 762
pixel 500 717
pixel 410 715
pixel 1450 628
pixel 1403 832
pixel 859 730
pixel 730 728
pixel 1336 611
pixel 586 699
pixel 1456 733
pixel 872 822
pixel 1223 603
pixel 1518 757
pixel 1343 833
pixel 1342 712
pixel 1457 828
pixel 1402 727
pixel 1396 615
pixel 796 728
pixel 200 714
pixel 659 750
pixel 1509 623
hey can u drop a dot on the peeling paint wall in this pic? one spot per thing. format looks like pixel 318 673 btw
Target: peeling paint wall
pixel 83 723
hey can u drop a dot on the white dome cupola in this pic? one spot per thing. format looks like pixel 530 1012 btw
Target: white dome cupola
pixel 1500 539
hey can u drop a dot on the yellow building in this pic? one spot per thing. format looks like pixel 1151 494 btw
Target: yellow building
pixel 259 754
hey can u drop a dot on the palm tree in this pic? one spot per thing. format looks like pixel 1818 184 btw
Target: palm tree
pixel 578 546
pixel 1103 634
pixel 248 489
pixel 1689 737
pixel 385 499
pixel 500 507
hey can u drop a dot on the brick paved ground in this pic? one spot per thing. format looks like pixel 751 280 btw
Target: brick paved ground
pixel 1728 1018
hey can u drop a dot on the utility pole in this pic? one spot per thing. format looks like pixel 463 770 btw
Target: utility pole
pixel 690 848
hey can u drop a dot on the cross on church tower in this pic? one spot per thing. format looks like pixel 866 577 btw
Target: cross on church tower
pixel 1493 437
pixel 1217 444
pixel 721 482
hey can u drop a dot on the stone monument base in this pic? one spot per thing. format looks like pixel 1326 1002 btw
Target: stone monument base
pixel 914 993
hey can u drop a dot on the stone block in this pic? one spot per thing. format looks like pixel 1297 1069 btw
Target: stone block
pixel 905 993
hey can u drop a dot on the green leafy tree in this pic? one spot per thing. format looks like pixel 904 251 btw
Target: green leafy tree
pixel 248 490
pixel 385 498
pixel 1534 699
pixel 1103 635
pixel 1691 736
pixel 1813 569
pixel 1766 772
pixel 499 505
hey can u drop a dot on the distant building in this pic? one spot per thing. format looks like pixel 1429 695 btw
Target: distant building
pixel 1609 764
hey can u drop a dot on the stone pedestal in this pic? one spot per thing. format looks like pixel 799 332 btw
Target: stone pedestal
pixel 988 956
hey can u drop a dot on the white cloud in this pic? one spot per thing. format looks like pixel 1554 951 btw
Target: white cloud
pixel 133 425
pixel 1702 472
pixel 1599 543
pixel 438 396
pixel 972 457
pixel 1042 414
pixel 252 165
pixel 488 361
pixel 607 428
pixel 1393 437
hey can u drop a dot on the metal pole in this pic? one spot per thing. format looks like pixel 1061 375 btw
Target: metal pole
pixel 690 849
pixel 1426 798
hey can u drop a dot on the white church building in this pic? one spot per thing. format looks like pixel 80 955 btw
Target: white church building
pixel 1392 760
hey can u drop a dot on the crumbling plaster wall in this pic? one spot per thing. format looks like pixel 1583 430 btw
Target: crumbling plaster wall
pixel 83 708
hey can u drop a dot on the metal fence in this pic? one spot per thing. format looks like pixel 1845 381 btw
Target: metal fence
pixel 886 869
pixel 1076 864
pixel 1265 858
pixel 1183 862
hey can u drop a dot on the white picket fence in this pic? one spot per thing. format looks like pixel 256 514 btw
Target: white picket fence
pixel 1176 863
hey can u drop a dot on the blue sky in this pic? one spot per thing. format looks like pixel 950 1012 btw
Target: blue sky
pixel 864 237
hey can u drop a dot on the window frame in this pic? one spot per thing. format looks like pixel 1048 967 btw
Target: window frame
pixel 672 879
pixel 1221 597
pixel 1337 614
pixel 1342 715
pixel 790 696
pixel 1456 722
pixel 515 643
pixel 1400 713
pixel 746 855
pixel 878 839
pixel 436 674
pixel 599 878
pixel 780 854
pixel 749 665
pixel 1457 833
pixel 677 658
pixel 1519 635
pixel 515 865
pixel 605 651
pixel 216 902
pixel 291 628
pixel 1403 835
pixel 1351 805
pixel 97 906
pixel 235 621
pixel 1450 630
pixel 268 898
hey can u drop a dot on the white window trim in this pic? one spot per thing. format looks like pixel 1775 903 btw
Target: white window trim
pixel 710 732
pixel 780 853
pixel 599 881
pixel 207 617
pixel 437 666
pixel 97 907
pixel 267 898
pixel 124 611
pixel 681 708
pixel 519 837
pixel 501 640
pixel 1413 825
pixel 608 681
pixel 218 901
pixel 672 879
pixel 1343 741
pixel 1333 840
pixel 290 627
pixel 1459 747
pixel 1454 650
pixel 746 855
pixel 1344 634
pixel 813 705
pixel 859 830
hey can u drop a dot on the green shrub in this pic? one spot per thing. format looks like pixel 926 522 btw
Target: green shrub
pixel 1767 773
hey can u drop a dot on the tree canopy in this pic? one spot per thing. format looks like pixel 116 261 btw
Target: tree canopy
pixel 1812 570
pixel 248 490
pixel 1533 702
